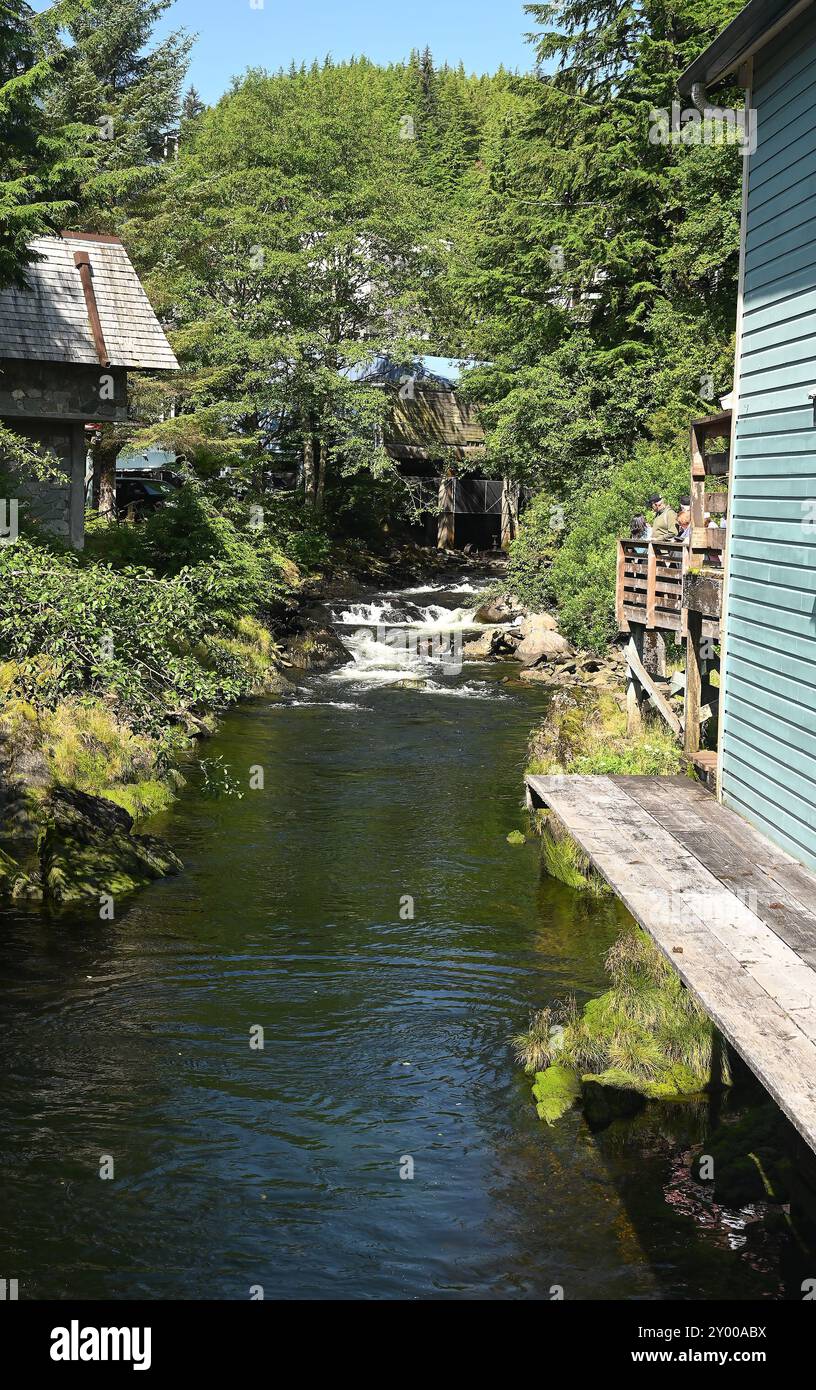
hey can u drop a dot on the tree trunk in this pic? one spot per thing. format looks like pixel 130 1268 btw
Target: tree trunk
pixel 447 517
pixel 309 470
pixel 322 456
pixel 312 466
pixel 105 450
pixel 509 512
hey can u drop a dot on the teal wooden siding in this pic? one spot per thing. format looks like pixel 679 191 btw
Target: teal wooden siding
pixel 769 732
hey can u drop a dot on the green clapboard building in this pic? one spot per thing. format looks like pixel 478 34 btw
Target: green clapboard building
pixel 767 753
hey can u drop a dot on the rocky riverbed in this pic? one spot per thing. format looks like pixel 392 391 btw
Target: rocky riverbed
pixel 515 633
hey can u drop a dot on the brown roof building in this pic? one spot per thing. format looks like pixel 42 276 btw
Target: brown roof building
pixel 67 342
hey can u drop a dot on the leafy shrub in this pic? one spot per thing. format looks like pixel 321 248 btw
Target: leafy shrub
pixel 230 564
pixel 73 629
pixel 533 551
pixel 581 580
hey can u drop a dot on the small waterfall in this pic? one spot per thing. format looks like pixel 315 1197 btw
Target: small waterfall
pixel 409 638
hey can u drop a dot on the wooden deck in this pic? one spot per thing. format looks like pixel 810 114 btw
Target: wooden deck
pixel 733 913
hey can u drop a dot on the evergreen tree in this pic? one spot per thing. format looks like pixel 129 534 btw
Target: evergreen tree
pixel 598 268
pixel 129 91
pixel 41 161
pixel 191 107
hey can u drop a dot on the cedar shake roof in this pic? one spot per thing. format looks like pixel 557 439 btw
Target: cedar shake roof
pixel 51 320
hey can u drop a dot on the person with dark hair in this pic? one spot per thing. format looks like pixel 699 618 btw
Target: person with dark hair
pixel 641 530
pixel 664 527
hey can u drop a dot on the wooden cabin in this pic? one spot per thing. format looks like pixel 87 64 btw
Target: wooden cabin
pixel 725 883
pixel 67 342
pixel 437 441
pixel 767 742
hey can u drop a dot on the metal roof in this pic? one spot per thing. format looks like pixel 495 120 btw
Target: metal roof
pixel 49 321
pixel 746 33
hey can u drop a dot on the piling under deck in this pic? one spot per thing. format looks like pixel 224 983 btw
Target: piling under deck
pixel 735 914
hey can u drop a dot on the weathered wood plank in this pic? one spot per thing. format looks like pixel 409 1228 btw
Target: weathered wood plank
pixel 758 989
pixel 643 676
pixel 738 857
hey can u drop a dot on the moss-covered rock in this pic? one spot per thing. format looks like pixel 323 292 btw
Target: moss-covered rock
pixel 556 1090
pixel 317 649
pixel 604 1101
pixel 646 1038
pixel 15 884
pixel 609 1094
pixel 87 848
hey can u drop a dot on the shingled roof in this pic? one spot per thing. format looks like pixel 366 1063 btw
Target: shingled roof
pixel 52 320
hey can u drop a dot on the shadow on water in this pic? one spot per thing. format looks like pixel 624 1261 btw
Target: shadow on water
pixel 367 912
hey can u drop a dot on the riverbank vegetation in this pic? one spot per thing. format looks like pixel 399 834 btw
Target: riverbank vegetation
pixel 310 221
pixel 584 732
pixel 644 1038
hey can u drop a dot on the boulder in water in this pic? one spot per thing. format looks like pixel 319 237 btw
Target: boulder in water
pixel 540 642
pixel 317 649
pixel 537 622
pixel 497 610
pixel 480 648
pixel 88 848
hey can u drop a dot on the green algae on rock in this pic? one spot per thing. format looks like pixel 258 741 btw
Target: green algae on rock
pixel 15 884
pixel 556 1090
pixel 563 859
pixel 645 1039
pixel 87 849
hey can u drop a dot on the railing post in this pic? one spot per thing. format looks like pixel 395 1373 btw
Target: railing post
pixel 694 683
pixel 651 583
pixel 623 625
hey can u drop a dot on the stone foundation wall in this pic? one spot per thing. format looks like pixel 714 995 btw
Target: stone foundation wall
pixel 60 507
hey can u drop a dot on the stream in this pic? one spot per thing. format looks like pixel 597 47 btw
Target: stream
pixel 366 911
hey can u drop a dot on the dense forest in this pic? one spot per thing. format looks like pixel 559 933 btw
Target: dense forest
pixel 314 218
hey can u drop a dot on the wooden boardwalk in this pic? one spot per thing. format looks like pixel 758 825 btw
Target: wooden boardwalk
pixel 733 913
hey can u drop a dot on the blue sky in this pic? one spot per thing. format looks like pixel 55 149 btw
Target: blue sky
pixel 233 36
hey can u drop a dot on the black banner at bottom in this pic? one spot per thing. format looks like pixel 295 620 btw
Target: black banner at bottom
pixel 163 1340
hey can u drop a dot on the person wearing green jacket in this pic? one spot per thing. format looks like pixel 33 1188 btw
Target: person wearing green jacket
pixel 664 526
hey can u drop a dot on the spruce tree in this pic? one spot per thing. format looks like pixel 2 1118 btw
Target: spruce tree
pixel 130 92
pixel 41 160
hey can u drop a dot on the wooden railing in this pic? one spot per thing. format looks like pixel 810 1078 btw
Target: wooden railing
pixel 649 587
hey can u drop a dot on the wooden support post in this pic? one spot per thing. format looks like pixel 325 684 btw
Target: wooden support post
pixel 509 512
pixel 634 689
pixel 648 687
pixel 447 495
pixel 694 683
pixel 620 581
pixel 654 652
pixel 651 584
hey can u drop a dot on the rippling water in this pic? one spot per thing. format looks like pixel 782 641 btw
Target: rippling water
pixel 385 1038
